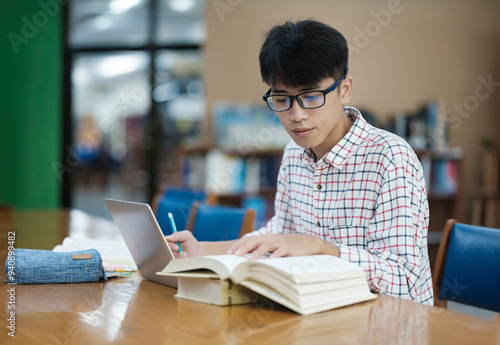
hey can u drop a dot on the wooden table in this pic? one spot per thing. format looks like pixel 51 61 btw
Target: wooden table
pixel 130 310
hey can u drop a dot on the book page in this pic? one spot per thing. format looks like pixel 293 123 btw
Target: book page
pixel 223 265
pixel 304 269
pixel 323 305
pixel 113 251
pixel 193 274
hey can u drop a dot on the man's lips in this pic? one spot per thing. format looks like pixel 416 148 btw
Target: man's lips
pixel 302 132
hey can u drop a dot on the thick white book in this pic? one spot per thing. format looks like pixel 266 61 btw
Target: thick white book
pixel 305 284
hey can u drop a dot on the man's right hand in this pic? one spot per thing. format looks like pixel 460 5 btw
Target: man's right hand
pixel 190 246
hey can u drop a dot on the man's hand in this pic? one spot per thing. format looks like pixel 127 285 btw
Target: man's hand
pixel 282 245
pixel 190 246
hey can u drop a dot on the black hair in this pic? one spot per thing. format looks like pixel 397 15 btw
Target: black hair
pixel 303 53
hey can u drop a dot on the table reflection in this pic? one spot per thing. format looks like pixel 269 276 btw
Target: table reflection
pixel 241 324
pixel 80 297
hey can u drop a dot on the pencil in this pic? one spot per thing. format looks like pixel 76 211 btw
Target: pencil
pixel 174 229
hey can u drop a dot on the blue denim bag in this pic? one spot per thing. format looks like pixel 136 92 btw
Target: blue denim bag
pixel 34 266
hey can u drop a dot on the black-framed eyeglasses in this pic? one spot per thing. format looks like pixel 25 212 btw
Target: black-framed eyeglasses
pixel 307 100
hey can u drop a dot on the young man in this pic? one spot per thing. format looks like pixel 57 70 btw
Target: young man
pixel 345 188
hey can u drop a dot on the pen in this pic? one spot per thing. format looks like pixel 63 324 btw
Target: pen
pixel 174 229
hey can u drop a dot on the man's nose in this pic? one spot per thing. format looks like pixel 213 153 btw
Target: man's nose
pixel 297 113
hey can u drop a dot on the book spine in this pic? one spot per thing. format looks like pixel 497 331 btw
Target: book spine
pixel 445 179
pixel 426 162
pixel 252 178
pixel 432 122
pixel 401 125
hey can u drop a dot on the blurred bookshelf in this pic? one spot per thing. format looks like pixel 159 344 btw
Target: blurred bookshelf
pixel 426 130
pixel 240 165
pixel 486 195
pixel 238 179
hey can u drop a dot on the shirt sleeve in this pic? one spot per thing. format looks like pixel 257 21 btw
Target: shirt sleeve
pixel 397 236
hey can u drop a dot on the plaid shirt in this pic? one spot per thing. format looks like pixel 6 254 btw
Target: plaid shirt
pixel 367 196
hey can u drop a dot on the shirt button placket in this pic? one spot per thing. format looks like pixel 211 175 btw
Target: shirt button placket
pixel 320 198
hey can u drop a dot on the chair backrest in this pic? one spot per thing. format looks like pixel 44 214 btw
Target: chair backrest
pixel 185 193
pixel 180 211
pixel 467 268
pixel 178 202
pixel 220 223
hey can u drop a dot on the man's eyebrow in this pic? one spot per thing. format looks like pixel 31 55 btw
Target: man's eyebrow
pixel 308 88
pixel 278 90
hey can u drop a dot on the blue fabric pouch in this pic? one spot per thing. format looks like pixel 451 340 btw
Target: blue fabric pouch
pixel 34 266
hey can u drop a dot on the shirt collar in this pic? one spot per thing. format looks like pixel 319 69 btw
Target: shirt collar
pixel 343 150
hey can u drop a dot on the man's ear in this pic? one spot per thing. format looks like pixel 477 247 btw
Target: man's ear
pixel 346 89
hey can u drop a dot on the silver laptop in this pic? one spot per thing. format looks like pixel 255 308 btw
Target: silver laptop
pixel 144 239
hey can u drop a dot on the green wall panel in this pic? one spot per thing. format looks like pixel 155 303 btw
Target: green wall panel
pixel 30 102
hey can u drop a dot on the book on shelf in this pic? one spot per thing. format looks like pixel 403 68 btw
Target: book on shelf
pixel 225 173
pixel 192 167
pixel 230 174
pixel 304 284
pixel 247 127
pixel 253 176
pixel 417 130
pixel 426 162
pixel 424 129
pixel 401 125
pixel 491 172
pixel 445 177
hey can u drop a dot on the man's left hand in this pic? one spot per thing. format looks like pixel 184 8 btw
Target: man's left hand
pixel 279 245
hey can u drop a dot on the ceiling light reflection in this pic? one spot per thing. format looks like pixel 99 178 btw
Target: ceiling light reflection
pixel 102 22
pixel 181 5
pixel 195 89
pixel 120 6
pixel 166 92
pixel 80 75
pixel 115 65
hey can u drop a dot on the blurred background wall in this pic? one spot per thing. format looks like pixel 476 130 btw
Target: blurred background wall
pixel 30 103
pixel 402 54
pixel 201 53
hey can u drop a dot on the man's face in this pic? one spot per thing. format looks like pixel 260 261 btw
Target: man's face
pixel 321 128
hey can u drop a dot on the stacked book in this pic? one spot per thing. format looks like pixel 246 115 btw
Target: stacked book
pixel 304 284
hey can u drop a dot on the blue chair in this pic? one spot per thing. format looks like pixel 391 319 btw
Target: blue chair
pixel 467 267
pixel 178 202
pixel 185 193
pixel 220 223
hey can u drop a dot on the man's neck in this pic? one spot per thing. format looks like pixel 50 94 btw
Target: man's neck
pixel 340 131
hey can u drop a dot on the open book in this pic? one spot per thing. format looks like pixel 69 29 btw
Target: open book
pixel 305 284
